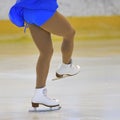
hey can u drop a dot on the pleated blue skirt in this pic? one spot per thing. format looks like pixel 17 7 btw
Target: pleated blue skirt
pixel 32 11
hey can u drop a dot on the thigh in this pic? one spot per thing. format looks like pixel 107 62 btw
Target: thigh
pixel 41 38
pixel 57 24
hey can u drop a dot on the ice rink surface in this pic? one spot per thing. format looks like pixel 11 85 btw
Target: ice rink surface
pixel 93 94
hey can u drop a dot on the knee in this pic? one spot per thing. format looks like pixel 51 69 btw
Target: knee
pixel 70 33
pixel 47 53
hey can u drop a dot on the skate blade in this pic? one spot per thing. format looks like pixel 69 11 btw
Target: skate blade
pixel 64 76
pixel 45 109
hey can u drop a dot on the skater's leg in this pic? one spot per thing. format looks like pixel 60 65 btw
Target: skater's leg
pixel 43 41
pixel 60 26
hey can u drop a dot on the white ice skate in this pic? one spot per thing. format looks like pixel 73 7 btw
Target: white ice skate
pixel 66 70
pixel 40 98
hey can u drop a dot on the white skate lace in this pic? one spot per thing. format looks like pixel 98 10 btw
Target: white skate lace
pixel 45 94
pixel 71 64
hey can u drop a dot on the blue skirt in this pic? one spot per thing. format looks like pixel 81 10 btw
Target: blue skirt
pixel 32 11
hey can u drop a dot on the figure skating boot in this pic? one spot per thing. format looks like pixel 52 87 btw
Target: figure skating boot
pixel 67 70
pixel 40 98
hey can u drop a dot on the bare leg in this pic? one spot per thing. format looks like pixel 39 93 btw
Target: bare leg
pixel 60 26
pixel 43 41
pixel 41 35
pixel 57 25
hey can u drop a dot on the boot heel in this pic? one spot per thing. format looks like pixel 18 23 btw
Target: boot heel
pixel 35 105
pixel 58 75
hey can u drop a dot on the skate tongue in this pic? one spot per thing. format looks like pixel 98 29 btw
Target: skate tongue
pixel 40 90
pixel 45 91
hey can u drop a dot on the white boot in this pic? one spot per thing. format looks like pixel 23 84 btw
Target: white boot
pixel 40 97
pixel 68 69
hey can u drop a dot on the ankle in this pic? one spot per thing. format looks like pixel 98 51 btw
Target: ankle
pixel 40 86
pixel 67 62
